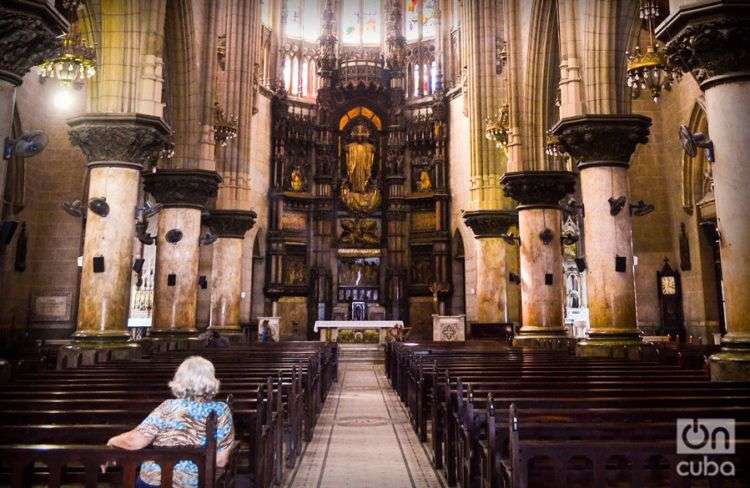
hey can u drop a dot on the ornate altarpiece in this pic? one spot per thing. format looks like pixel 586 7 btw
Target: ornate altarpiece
pixel 359 201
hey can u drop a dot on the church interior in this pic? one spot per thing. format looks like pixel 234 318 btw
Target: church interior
pixel 426 243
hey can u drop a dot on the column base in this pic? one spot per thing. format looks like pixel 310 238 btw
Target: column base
pixel 90 351
pixel 733 362
pixel 620 345
pixel 234 335
pixel 534 337
pixel 168 340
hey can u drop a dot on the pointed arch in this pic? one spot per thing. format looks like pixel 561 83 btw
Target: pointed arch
pixel 542 81
pixel 182 95
pixel 694 169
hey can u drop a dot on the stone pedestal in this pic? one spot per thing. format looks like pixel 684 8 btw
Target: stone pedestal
pixel 116 147
pixel 448 328
pixel 538 194
pixel 602 146
pixel 709 39
pixel 497 298
pixel 184 194
pixel 226 268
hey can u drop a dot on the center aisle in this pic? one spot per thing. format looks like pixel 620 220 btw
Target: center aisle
pixel 363 438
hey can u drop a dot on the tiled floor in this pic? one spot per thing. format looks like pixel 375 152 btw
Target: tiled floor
pixel 363 438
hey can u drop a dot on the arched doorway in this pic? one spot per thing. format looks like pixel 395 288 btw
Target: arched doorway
pixel 699 203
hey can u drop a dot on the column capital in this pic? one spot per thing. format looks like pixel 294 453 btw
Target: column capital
pixel 710 39
pixel 490 223
pixel 538 189
pixel 129 140
pixel 231 224
pixel 29 34
pixel 602 140
pixel 182 188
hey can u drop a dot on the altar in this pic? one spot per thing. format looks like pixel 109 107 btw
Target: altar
pixel 357 331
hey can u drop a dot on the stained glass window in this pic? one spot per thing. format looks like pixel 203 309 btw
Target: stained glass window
pixel 429 19
pixel 294 18
pixel 288 73
pixel 411 31
pixel 360 21
pixel 303 19
pixel 371 22
pixel 311 20
pixel 420 19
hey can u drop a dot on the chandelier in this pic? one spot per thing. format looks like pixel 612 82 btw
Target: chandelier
pixel 496 128
pixel 648 69
pixel 76 60
pixel 225 128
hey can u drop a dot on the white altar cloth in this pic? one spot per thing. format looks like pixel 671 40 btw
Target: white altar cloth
pixel 357 324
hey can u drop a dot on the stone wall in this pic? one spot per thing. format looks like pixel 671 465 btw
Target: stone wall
pixel 460 185
pixel 53 237
pixel 253 305
pixel 657 177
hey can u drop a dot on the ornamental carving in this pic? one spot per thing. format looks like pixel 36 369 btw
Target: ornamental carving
pixel 109 140
pixel 359 232
pixel 182 187
pixel 231 223
pixel 709 42
pixel 538 188
pixel 490 223
pixel 602 140
pixel 29 34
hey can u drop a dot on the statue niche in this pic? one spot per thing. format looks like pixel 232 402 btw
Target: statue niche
pixel 358 192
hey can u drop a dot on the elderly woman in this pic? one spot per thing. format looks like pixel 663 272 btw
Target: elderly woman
pixel 182 422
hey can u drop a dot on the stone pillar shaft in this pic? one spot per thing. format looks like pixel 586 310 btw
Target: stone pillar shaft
pixel 226 267
pixel 174 304
pixel 541 299
pixel 105 296
pixel 602 145
pixel 116 147
pixel 612 299
pixel 538 194
pixel 226 276
pixel 710 40
pixel 497 298
pixel 183 193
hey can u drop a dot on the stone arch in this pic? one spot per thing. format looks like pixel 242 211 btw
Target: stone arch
pixel 696 169
pixel 542 80
pixel 181 81
pixel 609 28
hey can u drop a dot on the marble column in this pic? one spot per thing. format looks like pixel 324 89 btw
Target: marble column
pixel 183 193
pixel 538 194
pixel 602 146
pixel 497 298
pixel 710 40
pixel 116 147
pixel 226 268
pixel 29 34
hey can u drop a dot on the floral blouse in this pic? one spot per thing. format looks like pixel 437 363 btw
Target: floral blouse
pixel 183 423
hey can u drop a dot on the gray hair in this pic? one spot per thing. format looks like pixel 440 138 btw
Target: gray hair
pixel 195 379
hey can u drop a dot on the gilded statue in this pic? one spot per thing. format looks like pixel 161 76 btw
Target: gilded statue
pixel 357 193
pixel 424 183
pixel 297 181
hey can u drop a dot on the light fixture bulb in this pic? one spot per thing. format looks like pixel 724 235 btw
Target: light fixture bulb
pixel 63 99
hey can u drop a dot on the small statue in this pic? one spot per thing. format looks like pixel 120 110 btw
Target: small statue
pixel 424 183
pixel 297 181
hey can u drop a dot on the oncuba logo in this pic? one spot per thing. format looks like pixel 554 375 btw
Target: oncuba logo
pixel 707 437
